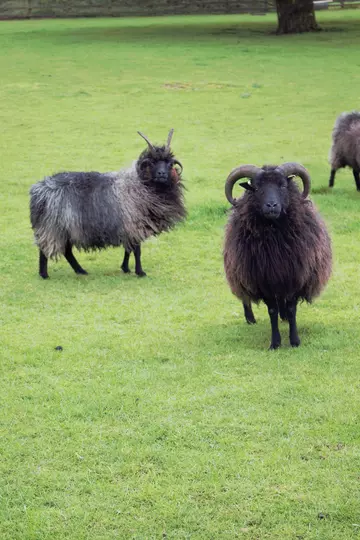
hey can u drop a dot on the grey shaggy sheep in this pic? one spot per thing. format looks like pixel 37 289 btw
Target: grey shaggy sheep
pixel 277 249
pixel 92 210
pixel 345 150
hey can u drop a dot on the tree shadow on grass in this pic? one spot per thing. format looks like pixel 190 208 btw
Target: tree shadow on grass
pixel 173 30
pixel 155 30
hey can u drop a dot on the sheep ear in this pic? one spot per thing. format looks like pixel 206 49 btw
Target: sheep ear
pixel 247 185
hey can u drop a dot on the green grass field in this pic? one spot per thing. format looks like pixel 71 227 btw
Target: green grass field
pixel 165 416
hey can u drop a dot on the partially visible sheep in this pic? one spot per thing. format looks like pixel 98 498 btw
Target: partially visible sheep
pixel 277 249
pixel 92 210
pixel 345 150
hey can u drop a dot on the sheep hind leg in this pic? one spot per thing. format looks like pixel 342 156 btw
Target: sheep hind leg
pixel 125 264
pixel 357 178
pixel 332 178
pixel 273 311
pixel 249 315
pixel 138 268
pixel 69 256
pixel 282 310
pixel 291 315
pixel 43 263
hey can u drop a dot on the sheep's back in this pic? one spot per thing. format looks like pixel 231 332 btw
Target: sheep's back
pixel 76 206
pixel 95 210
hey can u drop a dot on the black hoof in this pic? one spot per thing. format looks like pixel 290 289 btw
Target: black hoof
pixel 141 274
pixel 274 346
pixel 295 342
pixel 82 272
pixel 44 276
pixel 251 320
pixel 275 343
pixel 126 270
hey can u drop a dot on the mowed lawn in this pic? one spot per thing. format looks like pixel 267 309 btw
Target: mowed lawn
pixel 165 416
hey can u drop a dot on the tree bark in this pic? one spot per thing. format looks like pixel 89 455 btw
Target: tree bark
pixel 296 16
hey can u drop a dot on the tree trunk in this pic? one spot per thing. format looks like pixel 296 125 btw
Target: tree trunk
pixel 296 16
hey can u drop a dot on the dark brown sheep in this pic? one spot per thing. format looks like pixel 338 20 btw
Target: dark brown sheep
pixel 277 248
pixel 345 150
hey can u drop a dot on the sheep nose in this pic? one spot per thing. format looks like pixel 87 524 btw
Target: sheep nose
pixel 161 176
pixel 272 205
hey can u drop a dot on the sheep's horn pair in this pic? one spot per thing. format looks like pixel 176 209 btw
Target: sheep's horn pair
pixel 250 171
pixel 151 146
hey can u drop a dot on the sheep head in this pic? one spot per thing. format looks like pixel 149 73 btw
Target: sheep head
pixel 157 164
pixel 269 186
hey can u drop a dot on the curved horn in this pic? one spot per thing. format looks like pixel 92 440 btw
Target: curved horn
pixel 169 139
pixel 176 162
pixel 144 163
pixel 298 170
pixel 151 146
pixel 244 171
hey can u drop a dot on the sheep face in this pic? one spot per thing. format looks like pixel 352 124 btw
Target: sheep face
pixel 269 192
pixel 158 167
pixel 269 189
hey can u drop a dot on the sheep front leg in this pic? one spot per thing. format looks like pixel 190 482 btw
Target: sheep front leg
pixel 273 311
pixel 291 315
pixel 332 178
pixel 43 262
pixel 356 178
pixel 138 268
